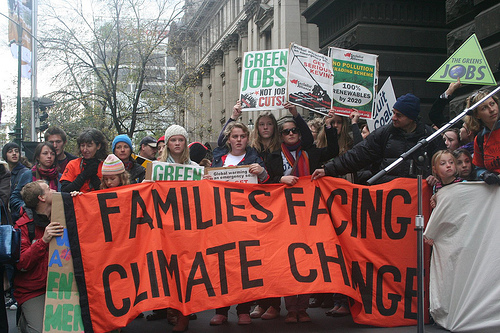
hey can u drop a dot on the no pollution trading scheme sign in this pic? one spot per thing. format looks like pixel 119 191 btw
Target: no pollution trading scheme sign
pixel 468 64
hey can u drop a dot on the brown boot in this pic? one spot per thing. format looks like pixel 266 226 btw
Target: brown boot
pixel 182 323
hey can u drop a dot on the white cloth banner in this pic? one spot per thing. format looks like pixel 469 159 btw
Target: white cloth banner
pixel 465 263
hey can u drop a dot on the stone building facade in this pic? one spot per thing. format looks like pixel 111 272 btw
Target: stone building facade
pixel 412 38
pixel 209 44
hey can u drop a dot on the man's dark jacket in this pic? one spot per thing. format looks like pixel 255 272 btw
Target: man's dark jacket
pixel 381 148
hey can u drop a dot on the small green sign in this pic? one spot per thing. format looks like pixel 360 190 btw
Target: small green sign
pixel 467 63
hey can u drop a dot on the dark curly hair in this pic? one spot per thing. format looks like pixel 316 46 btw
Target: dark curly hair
pixel 94 135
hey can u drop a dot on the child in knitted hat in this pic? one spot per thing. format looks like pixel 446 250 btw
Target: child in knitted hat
pixel 114 173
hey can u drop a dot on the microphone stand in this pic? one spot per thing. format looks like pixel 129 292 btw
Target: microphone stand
pixel 419 218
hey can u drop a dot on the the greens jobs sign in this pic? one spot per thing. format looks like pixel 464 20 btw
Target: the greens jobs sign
pixel 263 80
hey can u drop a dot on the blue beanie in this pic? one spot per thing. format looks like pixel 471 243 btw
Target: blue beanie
pixel 409 105
pixel 121 138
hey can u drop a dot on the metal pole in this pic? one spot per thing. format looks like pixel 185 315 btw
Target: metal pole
pixel 17 130
pixel 419 227
pixel 34 71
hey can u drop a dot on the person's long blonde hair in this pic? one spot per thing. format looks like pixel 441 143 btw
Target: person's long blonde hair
pixel 256 139
pixel 344 137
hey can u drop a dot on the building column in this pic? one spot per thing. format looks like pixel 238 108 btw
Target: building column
pixel 232 87
pixel 213 127
pixel 243 47
pixel 290 22
pixel 198 105
pixel 204 112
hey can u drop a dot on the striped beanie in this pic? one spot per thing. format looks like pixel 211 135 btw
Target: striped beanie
pixel 112 166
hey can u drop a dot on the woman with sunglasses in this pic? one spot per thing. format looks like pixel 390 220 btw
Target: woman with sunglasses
pixel 289 163
pixel 487 143
pixel 265 137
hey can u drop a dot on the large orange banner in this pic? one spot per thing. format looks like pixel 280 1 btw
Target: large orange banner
pixel 197 245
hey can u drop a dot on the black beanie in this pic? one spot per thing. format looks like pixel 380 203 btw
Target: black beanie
pixel 197 152
pixel 7 147
pixel 409 105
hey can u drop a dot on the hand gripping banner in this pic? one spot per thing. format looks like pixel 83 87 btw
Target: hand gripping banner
pixel 196 245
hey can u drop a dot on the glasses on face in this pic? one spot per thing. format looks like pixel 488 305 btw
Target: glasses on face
pixel 287 131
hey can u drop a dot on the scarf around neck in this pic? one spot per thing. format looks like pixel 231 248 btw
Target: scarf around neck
pixel 171 160
pixel 300 164
pixel 51 175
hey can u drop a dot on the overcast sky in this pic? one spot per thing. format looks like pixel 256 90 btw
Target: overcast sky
pixel 8 72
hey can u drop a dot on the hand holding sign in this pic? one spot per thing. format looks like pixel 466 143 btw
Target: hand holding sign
pixel 452 87
pixel 292 108
pixel 354 116
pixel 54 229
pixel 255 169
pixel 237 110
pixel 329 118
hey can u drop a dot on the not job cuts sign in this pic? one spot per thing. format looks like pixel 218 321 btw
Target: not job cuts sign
pixel 263 80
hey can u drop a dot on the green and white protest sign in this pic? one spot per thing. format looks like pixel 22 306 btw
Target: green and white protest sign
pixel 173 171
pixel 467 63
pixel 355 79
pixel 310 79
pixel 263 80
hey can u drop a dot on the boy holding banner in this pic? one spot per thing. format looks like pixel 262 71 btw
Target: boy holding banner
pixel 36 234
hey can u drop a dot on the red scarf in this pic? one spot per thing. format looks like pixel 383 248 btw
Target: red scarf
pixel 50 175
pixel 300 167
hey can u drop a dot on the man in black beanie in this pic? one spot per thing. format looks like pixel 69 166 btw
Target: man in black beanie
pixel 386 144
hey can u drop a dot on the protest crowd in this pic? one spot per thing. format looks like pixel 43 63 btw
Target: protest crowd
pixel 276 151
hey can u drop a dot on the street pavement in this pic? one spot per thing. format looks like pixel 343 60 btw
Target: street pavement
pixel 320 323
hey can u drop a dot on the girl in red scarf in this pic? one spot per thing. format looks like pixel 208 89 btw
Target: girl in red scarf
pixel 45 168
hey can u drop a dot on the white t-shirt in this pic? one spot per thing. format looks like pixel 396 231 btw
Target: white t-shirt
pixel 287 168
pixel 232 160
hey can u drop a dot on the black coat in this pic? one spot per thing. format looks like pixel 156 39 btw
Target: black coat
pixel 317 156
pixel 381 148
pixel 137 173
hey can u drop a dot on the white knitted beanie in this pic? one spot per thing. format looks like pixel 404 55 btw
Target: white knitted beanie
pixel 175 130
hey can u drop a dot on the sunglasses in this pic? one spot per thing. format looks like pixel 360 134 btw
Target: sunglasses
pixel 287 131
